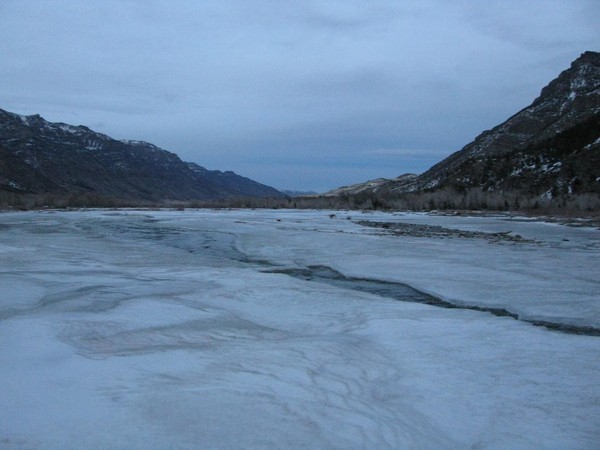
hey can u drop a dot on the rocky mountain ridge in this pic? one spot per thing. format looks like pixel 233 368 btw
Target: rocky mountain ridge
pixel 549 147
pixel 41 157
pixel 571 98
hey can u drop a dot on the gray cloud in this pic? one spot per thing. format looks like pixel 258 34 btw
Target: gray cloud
pixel 279 90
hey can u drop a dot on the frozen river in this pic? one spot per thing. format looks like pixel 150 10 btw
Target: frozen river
pixel 296 329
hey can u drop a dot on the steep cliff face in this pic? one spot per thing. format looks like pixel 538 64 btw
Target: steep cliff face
pixel 38 157
pixel 571 99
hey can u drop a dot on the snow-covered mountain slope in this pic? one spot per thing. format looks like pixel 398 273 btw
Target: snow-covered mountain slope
pixel 570 99
pixel 567 163
pixel 37 156
pixel 565 115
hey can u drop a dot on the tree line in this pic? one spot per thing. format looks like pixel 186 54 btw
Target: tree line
pixel 446 199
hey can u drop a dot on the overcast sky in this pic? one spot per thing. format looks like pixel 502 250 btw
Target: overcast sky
pixel 307 95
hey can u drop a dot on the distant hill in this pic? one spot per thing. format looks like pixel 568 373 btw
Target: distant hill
pixel 40 157
pixel 548 149
pixel 233 184
pixel 371 185
pixel 292 193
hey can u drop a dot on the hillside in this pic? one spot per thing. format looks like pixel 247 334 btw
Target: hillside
pixel 371 185
pixel 567 101
pixel 40 157
pixel 567 163
pixel 548 149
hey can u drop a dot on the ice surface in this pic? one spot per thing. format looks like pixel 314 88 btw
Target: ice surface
pixel 166 329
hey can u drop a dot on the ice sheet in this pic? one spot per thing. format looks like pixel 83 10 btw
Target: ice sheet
pixel 165 329
pixel 556 278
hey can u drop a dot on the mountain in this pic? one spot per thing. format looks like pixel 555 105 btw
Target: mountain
pixel 235 185
pixel 551 147
pixel 40 157
pixel 294 193
pixel 566 163
pixel 371 185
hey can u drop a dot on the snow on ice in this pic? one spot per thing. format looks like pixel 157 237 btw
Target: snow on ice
pixel 166 329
